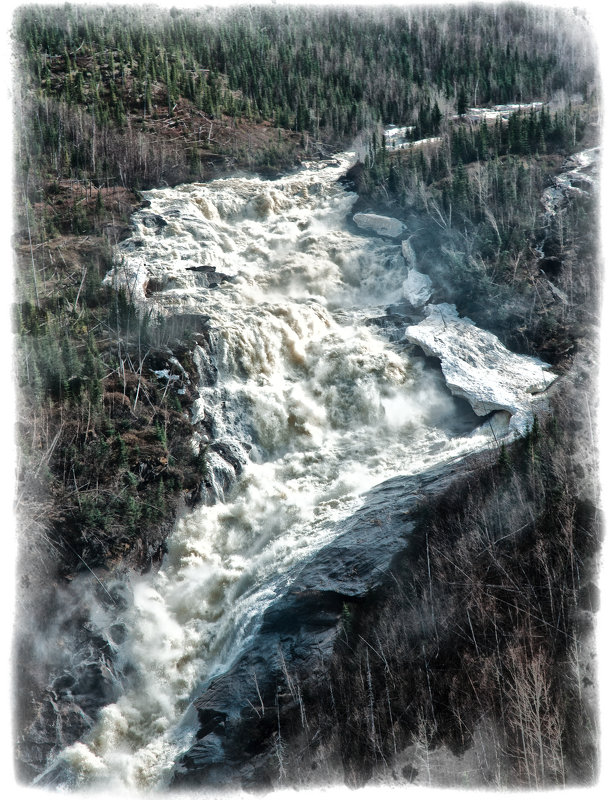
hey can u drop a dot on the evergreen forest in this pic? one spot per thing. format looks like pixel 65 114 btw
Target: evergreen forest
pixel 110 101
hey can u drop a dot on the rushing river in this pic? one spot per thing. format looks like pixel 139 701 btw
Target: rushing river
pixel 312 403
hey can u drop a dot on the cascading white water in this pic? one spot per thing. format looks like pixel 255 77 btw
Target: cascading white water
pixel 316 404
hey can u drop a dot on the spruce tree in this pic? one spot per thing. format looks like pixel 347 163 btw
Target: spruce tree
pixel 461 102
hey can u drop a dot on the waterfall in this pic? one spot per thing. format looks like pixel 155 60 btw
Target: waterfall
pixel 307 404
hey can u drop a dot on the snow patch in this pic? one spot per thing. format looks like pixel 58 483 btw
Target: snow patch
pixel 164 374
pixel 502 112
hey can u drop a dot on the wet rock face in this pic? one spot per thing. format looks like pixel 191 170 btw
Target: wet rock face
pixel 383 226
pixel 153 221
pixel 208 277
pixel 239 711
pixel 478 367
pixel 83 674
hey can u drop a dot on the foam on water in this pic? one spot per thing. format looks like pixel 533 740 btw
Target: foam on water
pixel 315 403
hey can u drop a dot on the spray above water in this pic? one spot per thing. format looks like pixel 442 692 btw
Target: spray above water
pixel 309 408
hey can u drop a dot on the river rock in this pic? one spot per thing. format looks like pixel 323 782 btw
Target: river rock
pixel 408 253
pixel 383 226
pixel 478 367
pixel 417 288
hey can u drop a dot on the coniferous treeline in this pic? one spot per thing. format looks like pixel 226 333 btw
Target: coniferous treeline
pixel 307 68
pixel 473 200
pixel 326 73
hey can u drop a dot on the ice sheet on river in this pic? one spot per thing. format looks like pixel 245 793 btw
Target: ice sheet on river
pixel 478 367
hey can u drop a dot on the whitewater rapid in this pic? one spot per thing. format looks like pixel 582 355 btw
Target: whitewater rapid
pixel 313 403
